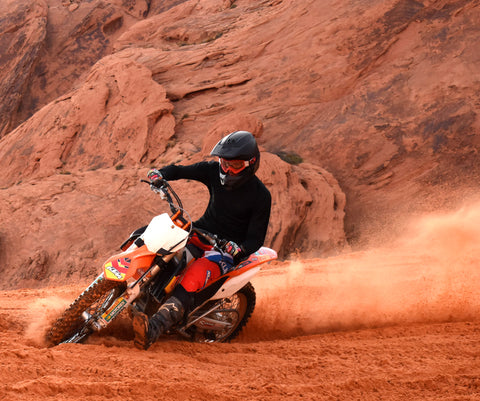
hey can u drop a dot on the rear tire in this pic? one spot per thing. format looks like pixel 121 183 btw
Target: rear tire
pixel 96 299
pixel 236 310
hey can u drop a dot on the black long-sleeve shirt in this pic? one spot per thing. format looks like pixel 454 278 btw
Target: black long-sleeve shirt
pixel 239 214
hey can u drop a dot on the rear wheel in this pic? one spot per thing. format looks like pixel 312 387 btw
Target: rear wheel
pixel 74 324
pixel 227 321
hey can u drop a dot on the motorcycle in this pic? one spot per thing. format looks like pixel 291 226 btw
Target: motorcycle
pixel 147 270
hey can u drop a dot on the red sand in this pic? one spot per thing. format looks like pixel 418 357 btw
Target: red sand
pixel 395 323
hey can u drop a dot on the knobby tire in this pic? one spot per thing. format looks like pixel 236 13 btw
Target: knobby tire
pixel 250 298
pixel 71 320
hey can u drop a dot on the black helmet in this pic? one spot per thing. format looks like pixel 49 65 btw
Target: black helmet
pixel 239 158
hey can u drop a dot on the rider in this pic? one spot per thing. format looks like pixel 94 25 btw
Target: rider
pixel 238 211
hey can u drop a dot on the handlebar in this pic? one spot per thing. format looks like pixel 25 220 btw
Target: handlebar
pixel 162 187
pixel 212 239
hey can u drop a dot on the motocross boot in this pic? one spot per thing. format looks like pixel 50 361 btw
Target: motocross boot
pixel 148 330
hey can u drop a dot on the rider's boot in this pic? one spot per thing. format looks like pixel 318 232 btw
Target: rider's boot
pixel 148 330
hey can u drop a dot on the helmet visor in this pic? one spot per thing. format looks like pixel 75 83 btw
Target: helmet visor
pixel 233 166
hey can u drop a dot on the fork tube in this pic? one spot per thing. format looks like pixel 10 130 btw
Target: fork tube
pixel 153 270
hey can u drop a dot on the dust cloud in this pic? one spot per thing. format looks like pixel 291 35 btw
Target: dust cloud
pixel 430 274
pixel 42 313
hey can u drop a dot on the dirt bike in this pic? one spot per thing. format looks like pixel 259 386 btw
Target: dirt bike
pixel 147 270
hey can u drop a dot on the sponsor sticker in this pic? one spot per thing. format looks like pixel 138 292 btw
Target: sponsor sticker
pixel 114 271
pixel 117 307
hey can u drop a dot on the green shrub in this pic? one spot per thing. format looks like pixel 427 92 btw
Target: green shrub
pixel 290 157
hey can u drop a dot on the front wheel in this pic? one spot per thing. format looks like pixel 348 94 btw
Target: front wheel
pixel 227 321
pixel 74 324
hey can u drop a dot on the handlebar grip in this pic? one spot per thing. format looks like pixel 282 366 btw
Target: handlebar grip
pixel 158 182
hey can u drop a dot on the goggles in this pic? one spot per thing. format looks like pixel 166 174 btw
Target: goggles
pixel 235 166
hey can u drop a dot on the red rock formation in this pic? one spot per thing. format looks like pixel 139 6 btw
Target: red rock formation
pixel 382 95
pixel 64 226
pixel 49 46
pixel 118 117
pixel 72 193
pixel 22 35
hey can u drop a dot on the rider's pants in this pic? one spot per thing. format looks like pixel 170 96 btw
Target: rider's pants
pixel 205 270
pixel 200 273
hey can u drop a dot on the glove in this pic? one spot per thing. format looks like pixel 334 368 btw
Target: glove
pixel 234 250
pixel 154 176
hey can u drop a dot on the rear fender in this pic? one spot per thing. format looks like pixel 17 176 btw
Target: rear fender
pixel 244 272
pixel 263 255
pixel 235 283
pixel 122 266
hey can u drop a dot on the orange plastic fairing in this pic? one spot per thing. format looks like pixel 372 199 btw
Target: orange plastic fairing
pixel 125 265
pixel 263 255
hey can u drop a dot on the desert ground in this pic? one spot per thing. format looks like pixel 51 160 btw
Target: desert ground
pixel 395 322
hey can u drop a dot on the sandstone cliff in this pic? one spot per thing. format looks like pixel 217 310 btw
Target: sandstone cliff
pixel 383 95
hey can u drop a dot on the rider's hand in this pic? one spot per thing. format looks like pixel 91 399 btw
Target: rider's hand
pixel 154 176
pixel 234 250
